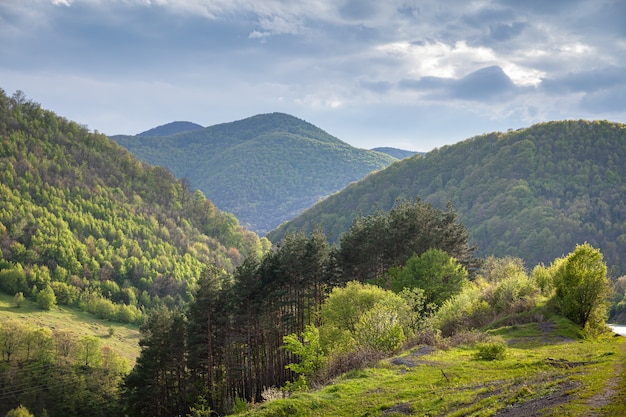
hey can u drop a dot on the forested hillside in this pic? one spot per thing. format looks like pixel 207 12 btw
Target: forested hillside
pixel 172 128
pixel 395 152
pixel 265 169
pixel 83 220
pixel 531 193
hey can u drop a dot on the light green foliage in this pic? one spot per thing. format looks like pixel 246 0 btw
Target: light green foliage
pixel 20 411
pixel 582 287
pixel 435 272
pixel 13 280
pixel 309 352
pixel 466 310
pixel 18 299
pixel 79 214
pixel 90 351
pixel 349 313
pixel 508 289
pixel 46 298
pixel 493 349
pixel 240 406
pixel 543 279
pixel 380 329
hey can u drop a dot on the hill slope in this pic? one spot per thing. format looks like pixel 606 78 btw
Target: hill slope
pixel 532 193
pixel 546 372
pixel 265 169
pixel 80 214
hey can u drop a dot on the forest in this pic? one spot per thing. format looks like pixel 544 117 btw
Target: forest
pixel 265 169
pixel 531 193
pixel 224 316
pixel 81 217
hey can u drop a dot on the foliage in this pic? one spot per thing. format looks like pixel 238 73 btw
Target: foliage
pixel 18 299
pixel 533 193
pixel 81 216
pixel 46 298
pixel 309 352
pixel 265 169
pixel 438 274
pixel 493 349
pixel 20 411
pixel 45 371
pixel 582 287
pixel 380 329
pixel 374 244
pixel 502 288
pixel 363 316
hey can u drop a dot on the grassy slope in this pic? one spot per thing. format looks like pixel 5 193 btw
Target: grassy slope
pixel 125 340
pixel 546 369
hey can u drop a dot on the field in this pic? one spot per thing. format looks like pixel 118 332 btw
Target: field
pixel 548 370
pixel 124 340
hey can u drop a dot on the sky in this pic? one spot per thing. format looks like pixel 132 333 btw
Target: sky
pixel 409 74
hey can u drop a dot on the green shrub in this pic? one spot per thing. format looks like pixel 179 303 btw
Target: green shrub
pixel 494 349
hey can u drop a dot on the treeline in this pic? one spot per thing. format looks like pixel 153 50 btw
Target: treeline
pixel 80 216
pixel 58 373
pixel 235 327
pixel 532 193
pixel 307 312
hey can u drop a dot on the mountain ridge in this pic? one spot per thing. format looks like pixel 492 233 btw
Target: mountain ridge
pixel 265 169
pixel 531 193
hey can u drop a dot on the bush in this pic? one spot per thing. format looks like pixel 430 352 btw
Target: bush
pixel 46 298
pixel 464 311
pixel 18 299
pixel 494 349
pixel 380 329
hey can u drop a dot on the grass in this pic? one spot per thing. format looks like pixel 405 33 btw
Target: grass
pixel 124 340
pixel 547 367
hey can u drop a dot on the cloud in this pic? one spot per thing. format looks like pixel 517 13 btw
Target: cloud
pixel 353 64
pixel 586 81
pixel 485 84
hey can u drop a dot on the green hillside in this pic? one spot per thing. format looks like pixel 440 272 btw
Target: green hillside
pixel 532 193
pixel 396 153
pixel 172 128
pixel 80 216
pixel 547 371
pixel 265 169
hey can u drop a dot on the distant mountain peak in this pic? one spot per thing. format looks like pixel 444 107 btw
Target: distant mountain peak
pixel 172 128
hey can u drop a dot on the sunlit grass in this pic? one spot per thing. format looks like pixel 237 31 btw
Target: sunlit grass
pixel 124 340
pixel 541 362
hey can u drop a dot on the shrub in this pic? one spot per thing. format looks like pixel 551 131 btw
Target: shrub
pixel 494 349
pixel 18 299
pixel 46 298
pixel 379 329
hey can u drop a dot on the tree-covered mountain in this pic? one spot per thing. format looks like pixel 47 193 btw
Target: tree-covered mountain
pixel 81 218
pixel 265 169
pixel 532 193
pixel 172 128
pixel 395 152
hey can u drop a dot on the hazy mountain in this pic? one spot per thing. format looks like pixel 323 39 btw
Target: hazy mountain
pixel 172 128
pixel 533 193
pixel 265 169
pixel 396 153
